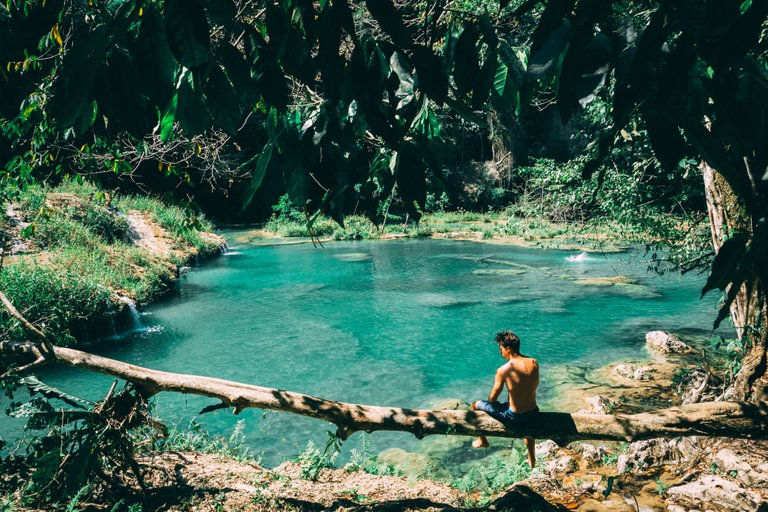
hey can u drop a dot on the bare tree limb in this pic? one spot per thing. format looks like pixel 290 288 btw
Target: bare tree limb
pixel 723 419
pixel 37 333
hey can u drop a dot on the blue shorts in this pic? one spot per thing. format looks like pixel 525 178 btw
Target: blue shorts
pixel 501 412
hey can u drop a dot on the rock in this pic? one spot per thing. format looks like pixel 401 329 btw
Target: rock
pixel 600 405
pixel 604 281
pixel 591 454
pixel 642 455
pixel 632 372
pixel 714 493
pixel 450 404
pixel 728 461
pixel 411 464
pixel 663 342
pixel 546 449
pixel 562 465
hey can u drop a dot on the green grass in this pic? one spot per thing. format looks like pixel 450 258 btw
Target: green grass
pixel 82 259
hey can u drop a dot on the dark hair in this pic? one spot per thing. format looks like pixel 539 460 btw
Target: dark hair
pixel 509 340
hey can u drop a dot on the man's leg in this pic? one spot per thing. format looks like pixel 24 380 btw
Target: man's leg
pixel 481 441
pixel 530 444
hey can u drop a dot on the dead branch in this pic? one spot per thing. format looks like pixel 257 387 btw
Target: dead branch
pixel 717 419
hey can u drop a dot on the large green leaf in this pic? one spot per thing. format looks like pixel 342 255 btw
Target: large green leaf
pixel 72 100
pixel 262 161
pixel 405 89
pixel 429 72
pixel 191 112
pixel 187 30
pixel 222 101
pixel 154 58
pixel 545 62
pixel 390 21
pixel 667 142
pixel 726 268
pixel 467 65
pixel 36 386
pixel 239 73
pixel 168 118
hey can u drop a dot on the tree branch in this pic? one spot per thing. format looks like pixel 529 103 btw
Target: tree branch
pixel 723 419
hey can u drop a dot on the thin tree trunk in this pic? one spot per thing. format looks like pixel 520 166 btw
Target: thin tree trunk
pixel 724 419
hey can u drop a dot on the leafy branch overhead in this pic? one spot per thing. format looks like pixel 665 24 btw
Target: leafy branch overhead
pixel 345 104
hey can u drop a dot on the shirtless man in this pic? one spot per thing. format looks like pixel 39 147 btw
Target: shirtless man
pixel 521 376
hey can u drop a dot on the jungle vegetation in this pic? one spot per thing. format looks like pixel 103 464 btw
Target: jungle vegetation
pixel 623 108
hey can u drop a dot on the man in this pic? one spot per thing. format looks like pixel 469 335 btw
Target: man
pixel 521 376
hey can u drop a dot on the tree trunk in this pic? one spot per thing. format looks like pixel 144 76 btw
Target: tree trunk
pixel 728 215
pixel 724 419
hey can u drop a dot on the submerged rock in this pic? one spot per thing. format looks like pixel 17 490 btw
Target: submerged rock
pixel 600 405
pixel 605 281
pixel 632 372
pixel 714 493
pixel 353 257
pixel 410 463
pixel 663 342
pixel 498 271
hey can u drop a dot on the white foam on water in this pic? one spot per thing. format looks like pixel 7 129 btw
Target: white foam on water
pixel 578 257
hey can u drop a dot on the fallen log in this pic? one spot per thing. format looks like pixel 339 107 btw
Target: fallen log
pixel 715 419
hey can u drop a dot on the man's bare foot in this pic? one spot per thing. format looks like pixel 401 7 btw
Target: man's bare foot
pixel 480 442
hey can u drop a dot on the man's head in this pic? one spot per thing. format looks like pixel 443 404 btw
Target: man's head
pixel 509 342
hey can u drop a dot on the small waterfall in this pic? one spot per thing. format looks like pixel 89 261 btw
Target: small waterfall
pixel 133 316
pixel 578 257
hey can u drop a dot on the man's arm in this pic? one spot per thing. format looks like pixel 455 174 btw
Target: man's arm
pixel 498 386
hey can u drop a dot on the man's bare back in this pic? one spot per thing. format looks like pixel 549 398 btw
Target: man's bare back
pixel 521 377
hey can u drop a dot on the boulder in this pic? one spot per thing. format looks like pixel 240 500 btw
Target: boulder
pixel 663 342
pixel 562 465
pixel 632 372
pixel 546 449
pixel 591 454
pixel 600 405
pixel 714 493
pixel 643 455
pixel 730 462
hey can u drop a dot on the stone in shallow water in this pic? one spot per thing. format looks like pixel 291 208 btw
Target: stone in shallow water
pixel 633 372
pixel 498 271
pixel 637 291
pixel 353 257
pixel 438 300
pixel 605 281
pixel 410 463
pixel 663 342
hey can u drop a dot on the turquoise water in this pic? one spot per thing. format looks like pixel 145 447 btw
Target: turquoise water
pixel 405 323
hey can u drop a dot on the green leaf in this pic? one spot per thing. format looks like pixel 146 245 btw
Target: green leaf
pixel 222 101
pixel 239 73
pixel 72 97
pixel 191 111
pixel 384 12
pixel 263 160
pixel 726 267
pixel 467 65
pixel 168 119
pixel 154 58
pixel 667 142
pixel 405 89
pixel 221 12
pixel 187 30
pixel 36 386
pixel 545 62
pixel 429 73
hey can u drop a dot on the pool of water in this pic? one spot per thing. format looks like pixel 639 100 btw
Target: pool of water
pixel 404 323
